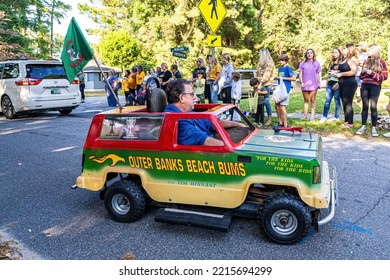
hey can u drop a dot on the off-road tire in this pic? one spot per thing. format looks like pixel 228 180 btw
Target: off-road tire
pixel 7 107
pixel 284 218
pixel 125 201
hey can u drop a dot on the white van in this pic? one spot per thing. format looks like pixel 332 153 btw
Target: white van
pixel 36 85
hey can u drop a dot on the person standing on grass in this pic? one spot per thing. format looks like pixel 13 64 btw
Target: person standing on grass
pixel 362 56
pixel 225 79
pixel 285 74
pixel 125 87
pixel 215 70
pixel 332 87
pixel 374 72
pixel 347 82
pixel 265 71
pixel 310 75
pixel 261 93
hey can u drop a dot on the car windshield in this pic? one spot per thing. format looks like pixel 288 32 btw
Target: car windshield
pixel 45 71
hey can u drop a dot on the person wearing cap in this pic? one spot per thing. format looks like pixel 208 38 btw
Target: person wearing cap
pixel 114 83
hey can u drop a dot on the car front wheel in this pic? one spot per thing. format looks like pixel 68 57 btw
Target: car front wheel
pixel 284 218
pixel 7 107
pixel 125 201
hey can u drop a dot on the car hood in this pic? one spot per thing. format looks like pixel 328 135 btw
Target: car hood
pixel 284 143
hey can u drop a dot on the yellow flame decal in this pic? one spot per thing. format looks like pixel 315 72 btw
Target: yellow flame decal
pixel 115 159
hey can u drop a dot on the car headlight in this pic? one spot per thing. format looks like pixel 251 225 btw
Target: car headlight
pixel 317 174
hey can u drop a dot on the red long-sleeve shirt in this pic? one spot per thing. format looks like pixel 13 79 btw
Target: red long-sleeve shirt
pixel 375 78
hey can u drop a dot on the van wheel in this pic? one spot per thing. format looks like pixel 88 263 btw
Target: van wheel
pixel 125 201
pixel 7 107
pixel 284 218
pixel 65 111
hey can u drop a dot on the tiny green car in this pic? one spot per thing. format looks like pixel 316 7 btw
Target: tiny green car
pixel 132 157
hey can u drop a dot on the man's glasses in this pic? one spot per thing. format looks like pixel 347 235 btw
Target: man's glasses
pixel 189 93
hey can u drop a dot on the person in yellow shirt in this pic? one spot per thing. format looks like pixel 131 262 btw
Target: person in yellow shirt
pixel 125 86
pixel 132 84
pixel 215 69
pixel 140 76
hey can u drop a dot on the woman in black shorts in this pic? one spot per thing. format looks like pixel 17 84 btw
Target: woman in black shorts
pixel 348 85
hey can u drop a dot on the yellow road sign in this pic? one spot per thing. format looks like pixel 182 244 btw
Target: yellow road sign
pixel 213 11
pixel 214 40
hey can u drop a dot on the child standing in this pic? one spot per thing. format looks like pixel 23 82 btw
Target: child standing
pixel 236 88
pixel 200 84
pixel 261 93
pixel 236 93
pixel 285 74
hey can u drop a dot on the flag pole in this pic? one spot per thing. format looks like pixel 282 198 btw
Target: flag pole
pixel 108 84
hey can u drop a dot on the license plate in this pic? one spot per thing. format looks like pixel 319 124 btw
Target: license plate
pixel 55 91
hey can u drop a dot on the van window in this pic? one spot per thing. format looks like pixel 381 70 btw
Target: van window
pixel 246 75
pixel 45 71
pixel 11 71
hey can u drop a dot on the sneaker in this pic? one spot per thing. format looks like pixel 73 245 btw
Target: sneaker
pixel 333 119
pixel 361 130
pixel 311 119
pixel 374 132
pixel 387 134
pixel 323 119
pixel 82 101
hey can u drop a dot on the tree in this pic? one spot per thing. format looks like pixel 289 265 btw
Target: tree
pixel 30 22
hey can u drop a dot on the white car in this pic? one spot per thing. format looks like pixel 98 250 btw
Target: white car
pixel 36 85
pixel 246 75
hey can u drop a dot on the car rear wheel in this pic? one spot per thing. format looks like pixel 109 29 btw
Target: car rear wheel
pixel 7 107
pixel 125 201
pixel 284 218
pixel 65 111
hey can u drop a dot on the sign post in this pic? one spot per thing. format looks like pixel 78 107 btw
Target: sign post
pixel 213 12
pixel 180 52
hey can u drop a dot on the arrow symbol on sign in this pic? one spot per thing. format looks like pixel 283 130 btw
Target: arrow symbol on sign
pixel 213 41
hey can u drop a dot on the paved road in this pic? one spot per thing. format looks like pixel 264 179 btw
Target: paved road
pixel 41 158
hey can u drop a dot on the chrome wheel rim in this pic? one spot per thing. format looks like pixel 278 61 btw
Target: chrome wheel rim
pixel 284 222
pixel 120 204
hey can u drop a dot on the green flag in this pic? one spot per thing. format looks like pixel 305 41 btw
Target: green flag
pixel 76 52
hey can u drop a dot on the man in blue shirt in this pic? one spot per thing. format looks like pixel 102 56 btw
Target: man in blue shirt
pixel 181 98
